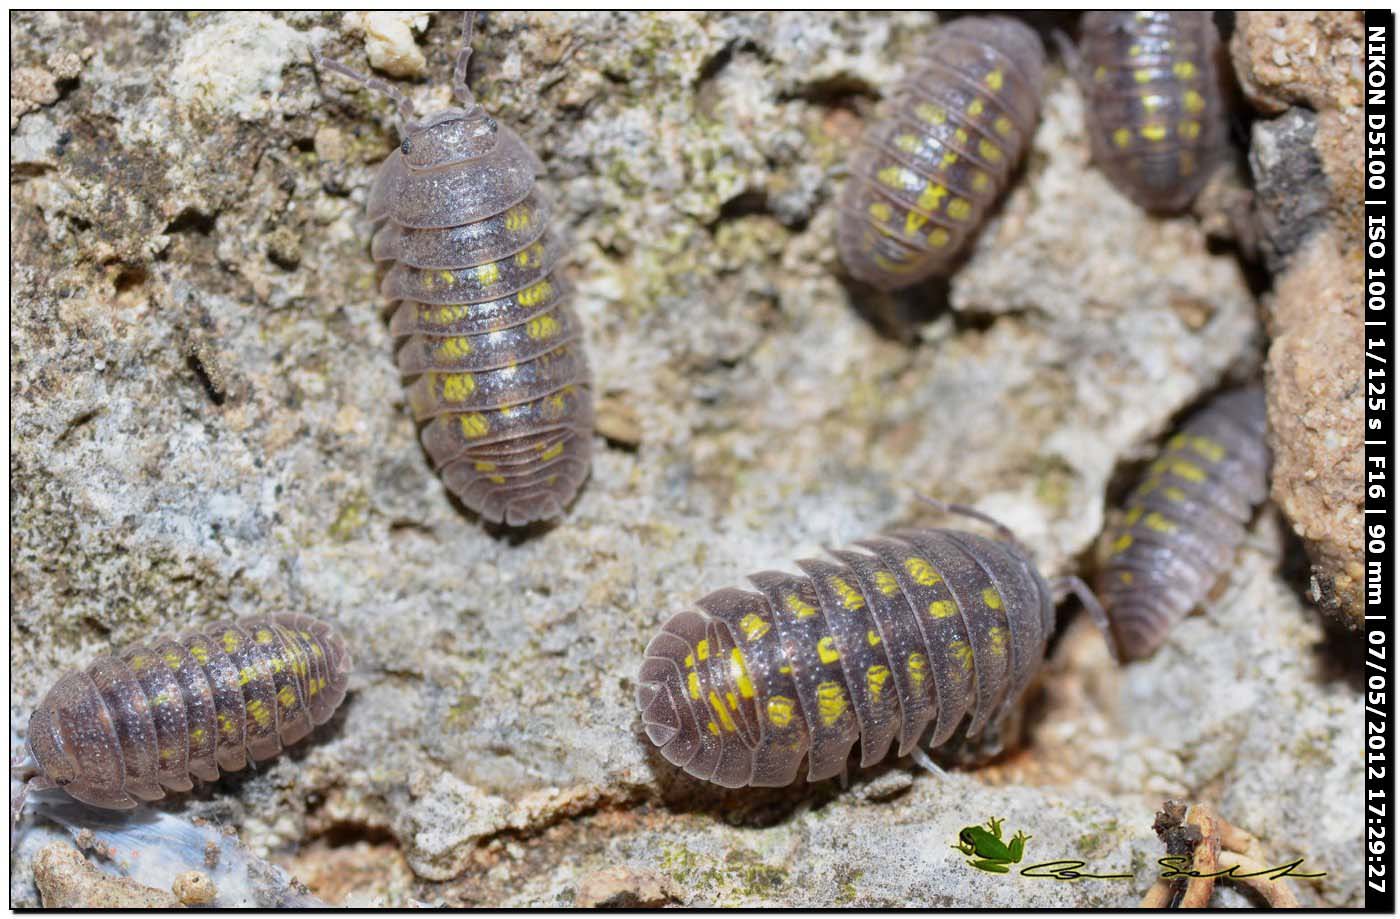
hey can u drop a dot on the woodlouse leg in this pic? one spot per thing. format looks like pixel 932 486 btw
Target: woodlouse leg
pixel 1071 584
pixel 405 105
pixel 919 756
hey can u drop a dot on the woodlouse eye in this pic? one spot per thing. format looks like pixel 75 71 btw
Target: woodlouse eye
pixel 407 146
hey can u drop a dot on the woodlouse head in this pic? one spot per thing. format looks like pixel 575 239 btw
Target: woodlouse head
pixel 449 136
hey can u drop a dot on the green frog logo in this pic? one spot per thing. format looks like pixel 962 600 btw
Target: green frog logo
pixel 992 853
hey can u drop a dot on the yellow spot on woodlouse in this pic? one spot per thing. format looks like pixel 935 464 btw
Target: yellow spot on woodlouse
pixel 692 684
pixel 456 387
pixel 484 466
pixel 739 670
pixel 913 221
pixel 535 294
pixel 785 669
pixel 259 713
pixel 227 724
pixel 931 196
pixel 1184 70
pixel 948 160
pixel 921 571
pixel 1122 543
pixel 262 636
pixel 980 181
pixel 1133 516
pixel 997 639
pixel 1153 132
pixel 1125 577
pixel 552 452
pixel 875 679
pixel 897 177
pixel 197 735
pixel 990 598
pixel 542 327
pixel 880 211
pixel 1152 102
pixel 530 257
pixel 486 275
pixel 831 702
pixel 960 135
pixel 287 696
pixel 453 348
pixel 714 728
pixel 1189 130
pixel 1142 76
pixel 942 609
pixel 720 711
pixel 961 652
pixel 885 583
pixel 496 479
pixel 931 113
pixel 1002 126
pixel 918 668
pixel 1100 73
pixel 733 702
pixel 826 650
pixel 474 425
pixel 989 151
pixel 1159 524
pixel 1174 494
pixel 1122 137
pixel 908 143
pixel 200 653
pixel 798 607
pixel 959 209
pixel 1194 102
pixel 518 218
pixel 139 662
pixel 702 650
pixel 446 276
pixel 246 676
pixel 172 660
pixel 780 710
pixel 753 626
pixel 872 638
pixel 938 238
pixel 975 107
pixel 231 642
pixel 1189 471
pixel 850 597
pixel 994 80
pixel 1210 449
pixel 443 315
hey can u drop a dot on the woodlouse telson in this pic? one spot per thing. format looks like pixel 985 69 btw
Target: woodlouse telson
pixel 940 150
pixel 1181 526
pixel 134 724
pixel 487 341
pixel 932 626
pixel 1154 103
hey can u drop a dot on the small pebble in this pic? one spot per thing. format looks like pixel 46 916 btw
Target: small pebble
pixel 194 888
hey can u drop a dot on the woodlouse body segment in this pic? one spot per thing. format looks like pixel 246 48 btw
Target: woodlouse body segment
pixel 1182 524
pixel 924 628
pixel 487 341
pixel 132 725
pixel 940 151
pixel 1155 106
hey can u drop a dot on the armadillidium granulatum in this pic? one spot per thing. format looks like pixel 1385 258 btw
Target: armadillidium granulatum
pixel 932 627
pixel 1156 110
pixel 1182 524
pixel 484 330
pixel 940 151
pixel 134 724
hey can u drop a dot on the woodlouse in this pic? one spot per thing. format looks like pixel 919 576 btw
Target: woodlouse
pixel 486 337
pixel 1155 106
pixel 933 626
pixel 144 720
pixel 1182 524
pixel 940 151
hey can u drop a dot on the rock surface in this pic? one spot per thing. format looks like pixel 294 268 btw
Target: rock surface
pixel 66 881
pixel 1307 68
pixel 207 422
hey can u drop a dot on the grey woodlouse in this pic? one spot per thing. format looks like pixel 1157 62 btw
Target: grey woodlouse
pixel 1154 103
pixel 940 151
pixel 484 329
pixel 933 626
pixel 1182 524
pixel 136 723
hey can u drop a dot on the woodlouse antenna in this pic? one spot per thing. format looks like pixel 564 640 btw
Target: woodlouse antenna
pixel 1071 584
pixel 405 105
pixel 964 510
pixel 460 91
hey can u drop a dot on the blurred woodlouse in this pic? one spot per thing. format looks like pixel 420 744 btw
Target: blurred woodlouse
pixel 933 626
pixel 146 719
pixel 1155 106
pixel 484 329
pixel 1182 524
pixel 940 151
